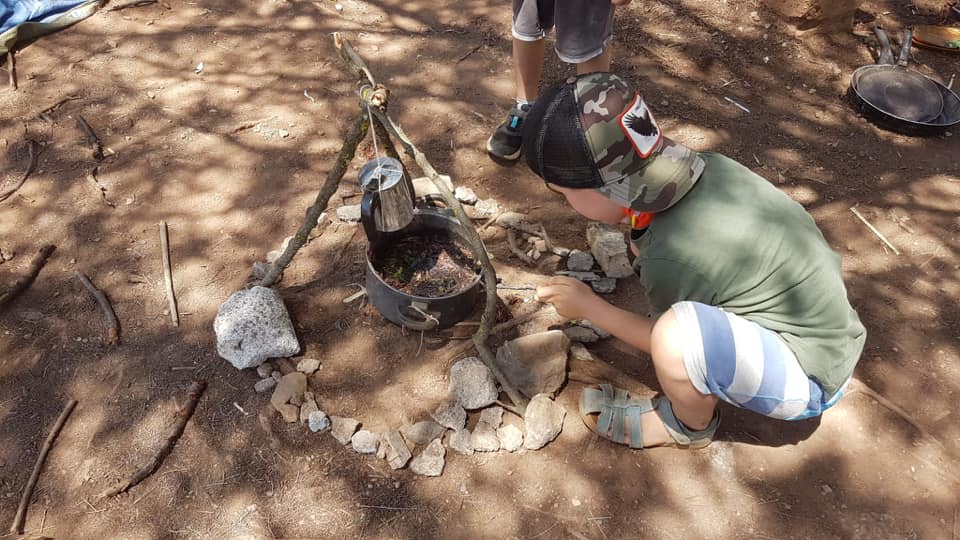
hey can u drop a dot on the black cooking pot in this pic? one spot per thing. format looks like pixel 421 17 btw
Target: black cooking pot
pixel 419 312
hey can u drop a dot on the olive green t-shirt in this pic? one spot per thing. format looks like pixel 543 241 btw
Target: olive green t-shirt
pixel 737 242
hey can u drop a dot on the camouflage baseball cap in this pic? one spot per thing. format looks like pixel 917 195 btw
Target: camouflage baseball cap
pixel 592 132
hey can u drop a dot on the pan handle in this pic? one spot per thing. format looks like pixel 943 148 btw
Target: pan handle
pixel 886 53
pixel 905 48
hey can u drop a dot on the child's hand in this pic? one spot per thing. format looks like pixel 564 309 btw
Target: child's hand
pixel 572 298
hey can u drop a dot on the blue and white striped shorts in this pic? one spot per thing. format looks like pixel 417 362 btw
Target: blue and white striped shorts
pixel 747 365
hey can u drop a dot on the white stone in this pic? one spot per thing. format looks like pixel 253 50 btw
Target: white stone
pixel 430 462
pixel 484 439
pixel 308 365
pixel 365 442
pixel 465 195
pixel 487 207
pixel 609 248
pixel 492 416
pixel 349 213
pixel 343 428
pixel 472 384
pixel 511 438
pixel 395 451
pixel 543 421
pixel 252 326
pixel 460 441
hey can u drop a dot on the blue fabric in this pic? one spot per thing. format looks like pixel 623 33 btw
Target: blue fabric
pixel 718 346
pixel 16 12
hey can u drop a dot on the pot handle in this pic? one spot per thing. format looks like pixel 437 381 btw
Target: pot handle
pixel 905 48
pixel 369 205
pixel 429 321
pixel 886 53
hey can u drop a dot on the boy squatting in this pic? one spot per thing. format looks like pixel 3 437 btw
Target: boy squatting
pixel 748 303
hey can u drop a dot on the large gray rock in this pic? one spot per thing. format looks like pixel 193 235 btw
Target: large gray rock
pixel 430 462
pixel 609 248
pixel 450 415
pixel 579 261
pixel 581 334
pixel 511 438
pixel 472 384
pixel 543 421
pixel 604 285
pixel 252 326
pixel 422 433
pixel 535 364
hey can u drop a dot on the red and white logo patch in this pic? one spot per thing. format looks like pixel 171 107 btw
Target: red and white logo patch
pixel 639 125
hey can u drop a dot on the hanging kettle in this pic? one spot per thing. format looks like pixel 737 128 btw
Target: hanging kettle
pixel 387 203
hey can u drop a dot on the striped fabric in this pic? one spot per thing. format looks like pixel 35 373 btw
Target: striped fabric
pixel 746 365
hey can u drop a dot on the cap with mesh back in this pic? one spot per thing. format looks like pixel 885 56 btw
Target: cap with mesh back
pixel 592 132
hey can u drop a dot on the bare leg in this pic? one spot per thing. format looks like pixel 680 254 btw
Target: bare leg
pixel 528 65
pixel 597 63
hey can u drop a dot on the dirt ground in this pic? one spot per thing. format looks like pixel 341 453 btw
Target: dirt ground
pixel 230 157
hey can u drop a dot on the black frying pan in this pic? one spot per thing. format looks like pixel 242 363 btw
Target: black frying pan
pixel 901 99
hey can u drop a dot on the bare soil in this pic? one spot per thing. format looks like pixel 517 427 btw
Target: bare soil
pixel 231 155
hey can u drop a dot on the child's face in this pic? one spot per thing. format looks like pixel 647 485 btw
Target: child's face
pixel 591 204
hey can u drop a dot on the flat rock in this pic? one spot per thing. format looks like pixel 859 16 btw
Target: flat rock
pixel 472 384
pixel 252 326
pixel 265 385
pixel 511 438
pixel 579 352
pixel 450 415
pixel 543 421
pixel 289 389
pixel 318 421
pixel 343 428
pixel 486 208
pixel 465 195
pixel 609 248
pixel 579 261
pixel 365 442
pixel 492 416
pixel 580 334
pixel 395 450
pixel 430 462
pixel 605 285
pixel 349 213
pixel 290 413
pixel 460 441
pixel 424 187
pixel 535 364
pixel 484 439
pixel 308 407
pixel 308 365
pixel 422 432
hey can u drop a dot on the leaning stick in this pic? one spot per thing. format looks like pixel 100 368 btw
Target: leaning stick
pixel 874 230
pixel 17 526
pixel 21 284
pixel 12 70
pixel 173 435
pixel 167 276
pixel 32 148
pixel 113 325
pixel 461 348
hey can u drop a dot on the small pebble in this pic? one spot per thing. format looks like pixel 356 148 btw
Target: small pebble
pixel 318 421
pixel 265 385
pixel 308 365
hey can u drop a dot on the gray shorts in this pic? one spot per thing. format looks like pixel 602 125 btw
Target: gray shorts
pixel 584 27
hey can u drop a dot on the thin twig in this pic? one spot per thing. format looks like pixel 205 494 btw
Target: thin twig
pixel 18 520
pixel 135 3
pixel 857 385
pixel 737 105
pixel 34 150
pixel 473 50
pixel 92 176
pixel 453 352
pixel 92 138
pixel 874 230
pixel 25 280
pixel 492 220
pixel 167 276
pixel 57 105
pixel 113 326
pixel 12 69
pixel 512 242
pixel 173 435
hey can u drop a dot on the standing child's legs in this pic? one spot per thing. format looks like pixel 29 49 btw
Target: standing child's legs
pixel 528 65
